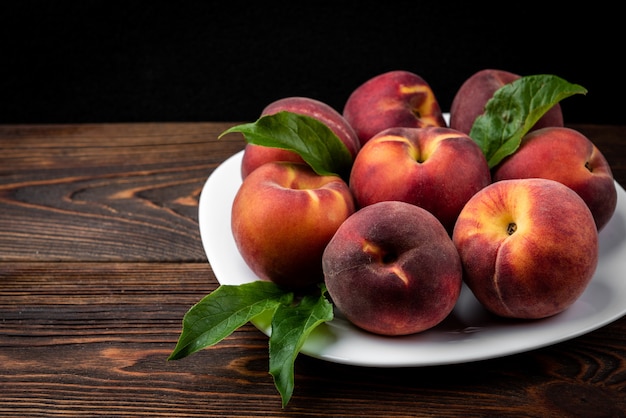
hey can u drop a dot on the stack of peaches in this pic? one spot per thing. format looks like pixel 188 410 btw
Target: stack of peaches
pixel 422 211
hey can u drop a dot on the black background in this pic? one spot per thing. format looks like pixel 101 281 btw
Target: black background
pixel 110 61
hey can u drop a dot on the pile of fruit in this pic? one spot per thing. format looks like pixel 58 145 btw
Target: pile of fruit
pixel 423 208
pixel 388 208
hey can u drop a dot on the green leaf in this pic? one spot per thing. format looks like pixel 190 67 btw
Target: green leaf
pixel 224 310
pixel 513 111
pixel 291 325
pixel 229 307
pixel 314 141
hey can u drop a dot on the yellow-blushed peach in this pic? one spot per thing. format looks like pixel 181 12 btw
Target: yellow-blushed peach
pixel 282 217
pixel 529 247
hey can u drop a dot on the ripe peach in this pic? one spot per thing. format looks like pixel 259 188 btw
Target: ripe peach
pixel 567 156
pixel 283 216
pixel 392 99
pixel 435 168
pixel 256 155
pixel 529 247
pixel 392 269
pixel 470 100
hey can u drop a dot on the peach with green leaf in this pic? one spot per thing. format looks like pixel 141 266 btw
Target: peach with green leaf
pixel 514 110
pixel 471 98
pixel 256 154
pixel 310 140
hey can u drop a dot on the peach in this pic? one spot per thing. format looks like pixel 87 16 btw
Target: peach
pixel 435 168
pixel 392 269
pixel 568 156
pixel 282 217
pixel 256 155
pixel 470 100
pixel 392 99
pixel 529 247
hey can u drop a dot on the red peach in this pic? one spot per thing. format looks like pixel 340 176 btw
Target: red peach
pixel 567 156
pixel 438 169
pixel 392 269
pixel 389 100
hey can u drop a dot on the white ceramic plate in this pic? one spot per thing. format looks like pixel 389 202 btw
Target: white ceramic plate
pixel 468 334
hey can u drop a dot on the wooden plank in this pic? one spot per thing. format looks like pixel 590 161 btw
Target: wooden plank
pixel 106 192
pixel 92 339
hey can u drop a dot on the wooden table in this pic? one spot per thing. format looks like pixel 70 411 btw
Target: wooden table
pixel 100 258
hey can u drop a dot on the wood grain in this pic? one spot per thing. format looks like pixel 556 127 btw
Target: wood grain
pixel 97 343
pixel 100 258
pixel 106 192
